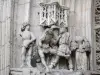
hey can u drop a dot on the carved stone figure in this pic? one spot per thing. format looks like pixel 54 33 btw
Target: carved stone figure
pixel 73 48
pixel 44 45
pixel 54 46
pixel 48 44
pixel 28 39
pixel 81 53
pixel 64 43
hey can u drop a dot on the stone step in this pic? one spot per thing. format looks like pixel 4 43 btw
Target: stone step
pixel 35 71
pixel 24 71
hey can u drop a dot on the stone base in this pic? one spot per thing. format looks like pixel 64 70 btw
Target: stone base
pixel 35 71
pixel 24 71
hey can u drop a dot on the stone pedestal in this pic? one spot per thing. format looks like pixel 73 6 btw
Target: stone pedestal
pixel 35 71
pixel 24 71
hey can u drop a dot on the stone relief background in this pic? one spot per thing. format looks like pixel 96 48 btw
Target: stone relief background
pixel 14 12
pixel 79 20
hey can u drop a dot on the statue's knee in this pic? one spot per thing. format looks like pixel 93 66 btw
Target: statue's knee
pixel 70 66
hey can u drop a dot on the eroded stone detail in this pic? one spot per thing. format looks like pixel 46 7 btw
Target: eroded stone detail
pixel 97 12
pixel 98 48
pixel 55 41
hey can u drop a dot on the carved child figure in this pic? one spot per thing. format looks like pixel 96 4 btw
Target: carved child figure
pixel 64 43
pixel 28 38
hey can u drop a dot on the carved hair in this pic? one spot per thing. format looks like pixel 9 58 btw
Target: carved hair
pixel 24 25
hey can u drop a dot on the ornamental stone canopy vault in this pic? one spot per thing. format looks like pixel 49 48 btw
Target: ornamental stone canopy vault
pixel 52 13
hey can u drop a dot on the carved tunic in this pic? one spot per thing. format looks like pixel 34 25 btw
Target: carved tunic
pixel 64 38
pixel 64 44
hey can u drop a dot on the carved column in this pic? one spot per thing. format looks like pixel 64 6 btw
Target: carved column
pixel 96 35
pixel 5 27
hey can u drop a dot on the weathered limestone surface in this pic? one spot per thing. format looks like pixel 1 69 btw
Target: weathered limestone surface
pixel 5 44
pixel 79 19
pixel 24 71
pixel 34 71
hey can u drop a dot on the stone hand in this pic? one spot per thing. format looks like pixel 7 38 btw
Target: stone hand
pixel 26 43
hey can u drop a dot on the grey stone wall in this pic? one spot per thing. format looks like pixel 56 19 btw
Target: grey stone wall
pixel 5 27
pixel 14 12
pixel 28 10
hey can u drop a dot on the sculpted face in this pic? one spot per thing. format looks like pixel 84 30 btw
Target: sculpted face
pixel 62 30
pixel 56 32
pixel 27 27
pixel 74 45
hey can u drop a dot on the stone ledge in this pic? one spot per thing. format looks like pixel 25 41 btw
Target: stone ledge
pixel 24 71
pixel 35 71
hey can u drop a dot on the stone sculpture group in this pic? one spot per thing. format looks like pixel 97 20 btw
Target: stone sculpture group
pixel 57 42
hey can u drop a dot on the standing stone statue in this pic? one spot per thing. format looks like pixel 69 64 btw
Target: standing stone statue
pixel 28 40
pixel 48 44
pixel 81 53
pixel 64 43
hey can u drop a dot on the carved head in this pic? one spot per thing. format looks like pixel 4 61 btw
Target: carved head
pixel 63 29
pixel 48 31
pixel 79 39
pixel 25 26
pixel 55 29
pixel 73 45
pixel 86 44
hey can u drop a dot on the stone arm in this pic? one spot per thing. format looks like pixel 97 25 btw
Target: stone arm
pixel 20 34
pixel 69 40
pixel 41 40
pixel 87 46
pixel 59 37
pixel 32 38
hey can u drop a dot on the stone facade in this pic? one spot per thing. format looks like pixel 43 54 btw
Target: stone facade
pixel 5 42
pixel 14 12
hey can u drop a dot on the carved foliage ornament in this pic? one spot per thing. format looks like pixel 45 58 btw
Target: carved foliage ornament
pixel 98 48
